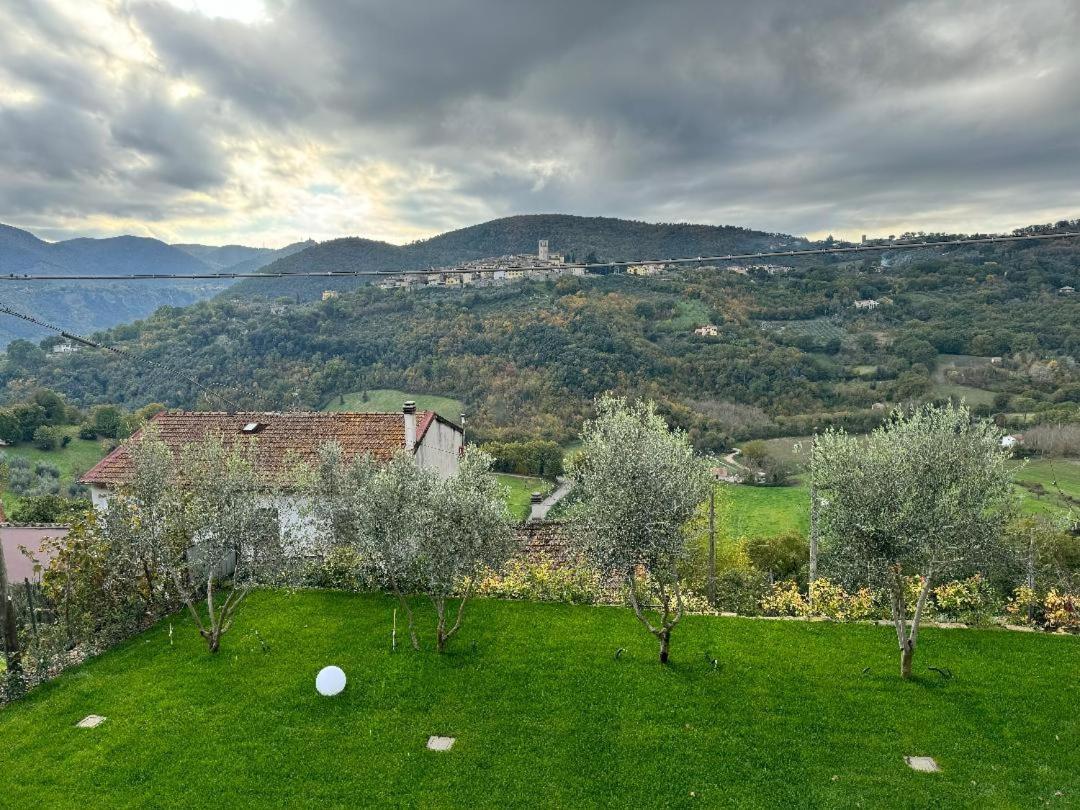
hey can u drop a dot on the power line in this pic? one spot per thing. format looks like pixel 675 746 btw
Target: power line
pixel 567 266
pixel 5 309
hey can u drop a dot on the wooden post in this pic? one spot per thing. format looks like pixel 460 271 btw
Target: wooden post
pixel 8 630
pixel 812 574
pixel 712 546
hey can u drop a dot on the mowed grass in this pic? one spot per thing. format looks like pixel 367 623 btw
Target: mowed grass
pixel 519 490
pixel 390 400
pixel 72 461
pixel 764 511
pixel 796 714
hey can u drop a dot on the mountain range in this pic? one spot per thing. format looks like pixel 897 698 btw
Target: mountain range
pixel 86 307
pixel 577 238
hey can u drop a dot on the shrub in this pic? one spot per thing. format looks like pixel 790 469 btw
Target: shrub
pixel 740 590
pixel 544 580
pixel 783 555
pixel 830 601
pixel 342 569
pixel 48 438
pixel 970 600
pixel 87 431
pixel 1061 611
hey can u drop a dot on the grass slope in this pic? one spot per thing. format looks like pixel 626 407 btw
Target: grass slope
pixel 766 511
pixel 389 400
pixel 72 461
pixel 519 490
pixel 545 716
pixel 1048 484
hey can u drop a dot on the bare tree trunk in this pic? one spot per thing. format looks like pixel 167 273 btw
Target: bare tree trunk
pixel 908 635
pixel 665 645
pixel 906 654
pixel 667 619
pixel 408 613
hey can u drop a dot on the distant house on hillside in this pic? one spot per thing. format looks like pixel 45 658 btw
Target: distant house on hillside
pixel 1011 441
pixel 709 330
pixel 328 294
pixel 644 269
pixel 285 438
pixel 867 303
pixel 1066 290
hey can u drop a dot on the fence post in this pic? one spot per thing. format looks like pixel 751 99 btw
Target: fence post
pixel 8 628
pixel 712 545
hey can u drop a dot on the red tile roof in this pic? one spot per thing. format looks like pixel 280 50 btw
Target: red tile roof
pixel 279 435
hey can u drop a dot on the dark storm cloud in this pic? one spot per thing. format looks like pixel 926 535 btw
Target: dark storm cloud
pixel 795 116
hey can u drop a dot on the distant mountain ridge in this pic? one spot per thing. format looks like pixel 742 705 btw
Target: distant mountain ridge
pixel 92 306
pixel 605 238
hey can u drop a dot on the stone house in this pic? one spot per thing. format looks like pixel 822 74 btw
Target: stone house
pixel 282 439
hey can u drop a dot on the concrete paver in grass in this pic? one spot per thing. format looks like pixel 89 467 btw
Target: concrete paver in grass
pixel 923 764
pixel 90 721
pixel 436 743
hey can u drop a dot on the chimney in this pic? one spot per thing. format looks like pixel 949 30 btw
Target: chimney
pixel 536 511
pixel 410 425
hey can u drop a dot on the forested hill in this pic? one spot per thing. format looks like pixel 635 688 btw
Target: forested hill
pixel 578 238
pixel 994 324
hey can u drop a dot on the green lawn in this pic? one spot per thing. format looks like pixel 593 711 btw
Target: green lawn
pixel 72 461
pixel 389 400
pixel 765 511
pixel 519 490
pixel 797 714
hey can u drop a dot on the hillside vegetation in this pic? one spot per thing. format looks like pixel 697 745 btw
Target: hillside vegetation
pixel 528 359
pixel 578 238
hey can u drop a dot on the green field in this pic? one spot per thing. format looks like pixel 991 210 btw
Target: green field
pixel 956 392
pixel 519 490
pixel 765 511
pixel 1049 484
pixel 796 714
pixel 389 400
pixel 72 461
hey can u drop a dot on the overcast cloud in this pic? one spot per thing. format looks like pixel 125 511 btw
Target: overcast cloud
pixel 289 120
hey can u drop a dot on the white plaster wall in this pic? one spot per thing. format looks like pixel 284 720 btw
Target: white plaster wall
pixel 440 449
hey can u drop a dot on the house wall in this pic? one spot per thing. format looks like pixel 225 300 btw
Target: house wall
pixel 440 449
pixel 19 567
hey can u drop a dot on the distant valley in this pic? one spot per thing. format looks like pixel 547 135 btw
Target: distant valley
pixel 86 307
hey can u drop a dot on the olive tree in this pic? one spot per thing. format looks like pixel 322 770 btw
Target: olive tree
pixel 377 511
pixel 640 484
pixel 203 519
pixel 927 494
pixel 417 533
pixel 465 529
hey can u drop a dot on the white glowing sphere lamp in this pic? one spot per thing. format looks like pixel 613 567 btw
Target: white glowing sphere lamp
pixel 330 681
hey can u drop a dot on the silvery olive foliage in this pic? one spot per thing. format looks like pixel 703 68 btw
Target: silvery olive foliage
pixel 927 494
pixel 375 510
pixel 465 530
pixel 640 485
pixel 419 533
pixel 205 520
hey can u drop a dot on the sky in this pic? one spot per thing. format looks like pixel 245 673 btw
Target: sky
pixel 264 122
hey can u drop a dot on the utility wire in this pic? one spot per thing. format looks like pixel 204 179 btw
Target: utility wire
pixel 6 310
pixel 863 248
